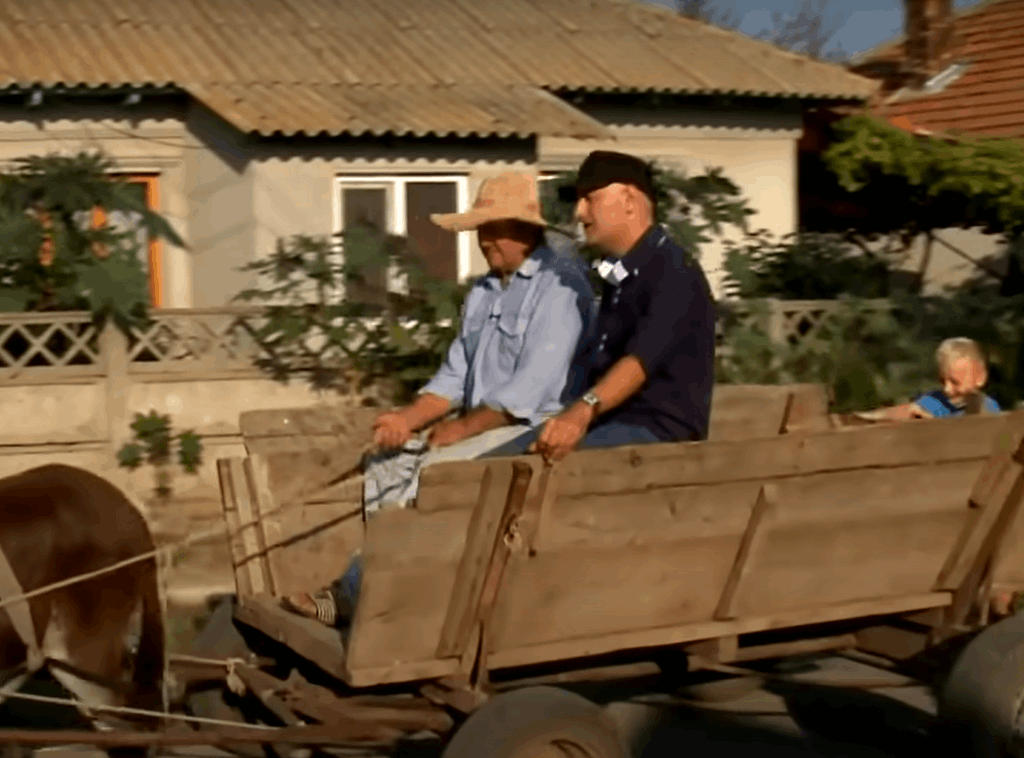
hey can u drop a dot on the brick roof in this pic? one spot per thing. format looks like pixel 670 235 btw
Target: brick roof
pixel 987 98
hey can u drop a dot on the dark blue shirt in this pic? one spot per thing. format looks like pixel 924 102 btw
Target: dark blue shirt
pixel 662 313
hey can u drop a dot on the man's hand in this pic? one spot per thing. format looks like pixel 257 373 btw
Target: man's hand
pixel 448 433
pixel 563 433
pixel 391 430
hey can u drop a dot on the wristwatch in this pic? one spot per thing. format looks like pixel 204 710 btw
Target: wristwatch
pixel 593 401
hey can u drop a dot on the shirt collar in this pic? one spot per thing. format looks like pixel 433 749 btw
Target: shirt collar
pixel 527 269
pixel 614 269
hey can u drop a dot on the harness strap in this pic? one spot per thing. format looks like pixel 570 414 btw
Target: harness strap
pixel 19 613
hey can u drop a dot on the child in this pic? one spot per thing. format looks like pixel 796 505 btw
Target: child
pixel 962 372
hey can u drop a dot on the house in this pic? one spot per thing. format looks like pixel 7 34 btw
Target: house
pixel 949 73
pixel 247 122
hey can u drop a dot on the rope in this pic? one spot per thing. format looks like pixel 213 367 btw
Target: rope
pixel 137 711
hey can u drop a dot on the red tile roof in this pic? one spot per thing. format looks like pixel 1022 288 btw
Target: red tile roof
pixel 988 98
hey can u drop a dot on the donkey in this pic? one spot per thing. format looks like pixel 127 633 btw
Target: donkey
pixel 58 522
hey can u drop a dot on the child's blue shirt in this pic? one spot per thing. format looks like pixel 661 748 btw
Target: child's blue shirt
pixel 938 405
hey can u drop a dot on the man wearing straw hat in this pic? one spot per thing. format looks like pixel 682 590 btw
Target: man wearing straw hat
pixel 523 324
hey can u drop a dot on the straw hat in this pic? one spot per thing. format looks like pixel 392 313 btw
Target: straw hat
pixel 506 196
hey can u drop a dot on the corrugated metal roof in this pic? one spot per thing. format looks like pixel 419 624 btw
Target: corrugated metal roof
pixel 988 97
pixel 460 110
pixel 310 50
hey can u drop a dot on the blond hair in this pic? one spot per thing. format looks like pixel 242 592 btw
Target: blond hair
pixel 959 347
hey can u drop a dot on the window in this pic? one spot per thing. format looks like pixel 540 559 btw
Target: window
pixel 402 206
pixel 149 249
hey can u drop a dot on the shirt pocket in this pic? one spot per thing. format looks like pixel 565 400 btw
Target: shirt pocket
pixel 511 341
pixel 471 331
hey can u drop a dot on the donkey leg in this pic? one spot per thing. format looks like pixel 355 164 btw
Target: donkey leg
pixel 92 640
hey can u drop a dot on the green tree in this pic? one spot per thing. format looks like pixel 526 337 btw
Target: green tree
pixel 52 257
pixel 377 346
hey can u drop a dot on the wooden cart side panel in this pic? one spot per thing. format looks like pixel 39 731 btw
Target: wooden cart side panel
pixel 410 560
pixel 423 575
pixel 744 411
pixel 284 549
pixel 611 564
pixel 247 561
pixel 641 468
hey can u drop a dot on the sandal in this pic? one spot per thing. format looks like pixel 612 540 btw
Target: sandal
pixel 320 606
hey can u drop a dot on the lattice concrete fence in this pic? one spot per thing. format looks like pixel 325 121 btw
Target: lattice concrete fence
pixel 70 391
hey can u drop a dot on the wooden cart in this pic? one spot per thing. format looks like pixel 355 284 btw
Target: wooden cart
pixel 509 576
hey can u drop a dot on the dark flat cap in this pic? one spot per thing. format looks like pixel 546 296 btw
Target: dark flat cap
pixel 603 167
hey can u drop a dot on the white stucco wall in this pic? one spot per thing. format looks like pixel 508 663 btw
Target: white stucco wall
pixel 756 149
pixel 293 193
pixel 231 199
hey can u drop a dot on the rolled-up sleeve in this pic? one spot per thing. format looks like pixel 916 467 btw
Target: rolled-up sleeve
pixel 550 344
pixel 660 329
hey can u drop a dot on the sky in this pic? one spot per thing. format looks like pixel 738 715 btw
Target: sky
pixel 864 23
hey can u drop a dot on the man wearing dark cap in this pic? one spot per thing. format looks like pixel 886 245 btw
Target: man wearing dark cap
pixel 648 372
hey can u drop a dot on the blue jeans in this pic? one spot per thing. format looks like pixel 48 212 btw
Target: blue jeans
pixel 611 434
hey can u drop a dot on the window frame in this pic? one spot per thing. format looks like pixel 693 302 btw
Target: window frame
pixel 395 207
pixel 154 261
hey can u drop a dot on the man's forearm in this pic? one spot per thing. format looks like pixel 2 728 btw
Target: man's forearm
pixel 623 380
pixel 483 419
pixel 426 409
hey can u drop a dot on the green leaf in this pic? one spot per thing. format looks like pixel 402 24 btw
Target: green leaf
pixel 130 456
pixel 190 451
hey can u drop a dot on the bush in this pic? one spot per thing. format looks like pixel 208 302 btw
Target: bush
pixel 378 347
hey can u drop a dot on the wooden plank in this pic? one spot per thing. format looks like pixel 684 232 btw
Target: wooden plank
pixel 805 566
pixel 327 420
pixel 243 505
pixel 483 533
pixel 243 587
pixel 743 411
pixel 980 574
pixel 403 672
pixel 646 467
pixel 509 538
pixel 308 638
pixel 749 552
pixel 808 409
pixel 990 492
pixel 891 642
pixel 639 639
pixel 410 560
pixel 691 512
pixel 300 476
pixel 582 592
pixel 668 583
pixel 308 545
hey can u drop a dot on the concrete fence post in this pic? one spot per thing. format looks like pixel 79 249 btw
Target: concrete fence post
pixel 114 348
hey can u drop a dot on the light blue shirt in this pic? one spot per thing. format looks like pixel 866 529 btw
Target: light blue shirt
pixel 516 344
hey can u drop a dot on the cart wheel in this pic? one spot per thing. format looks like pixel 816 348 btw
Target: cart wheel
pixel 981 704
pixel 537 722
